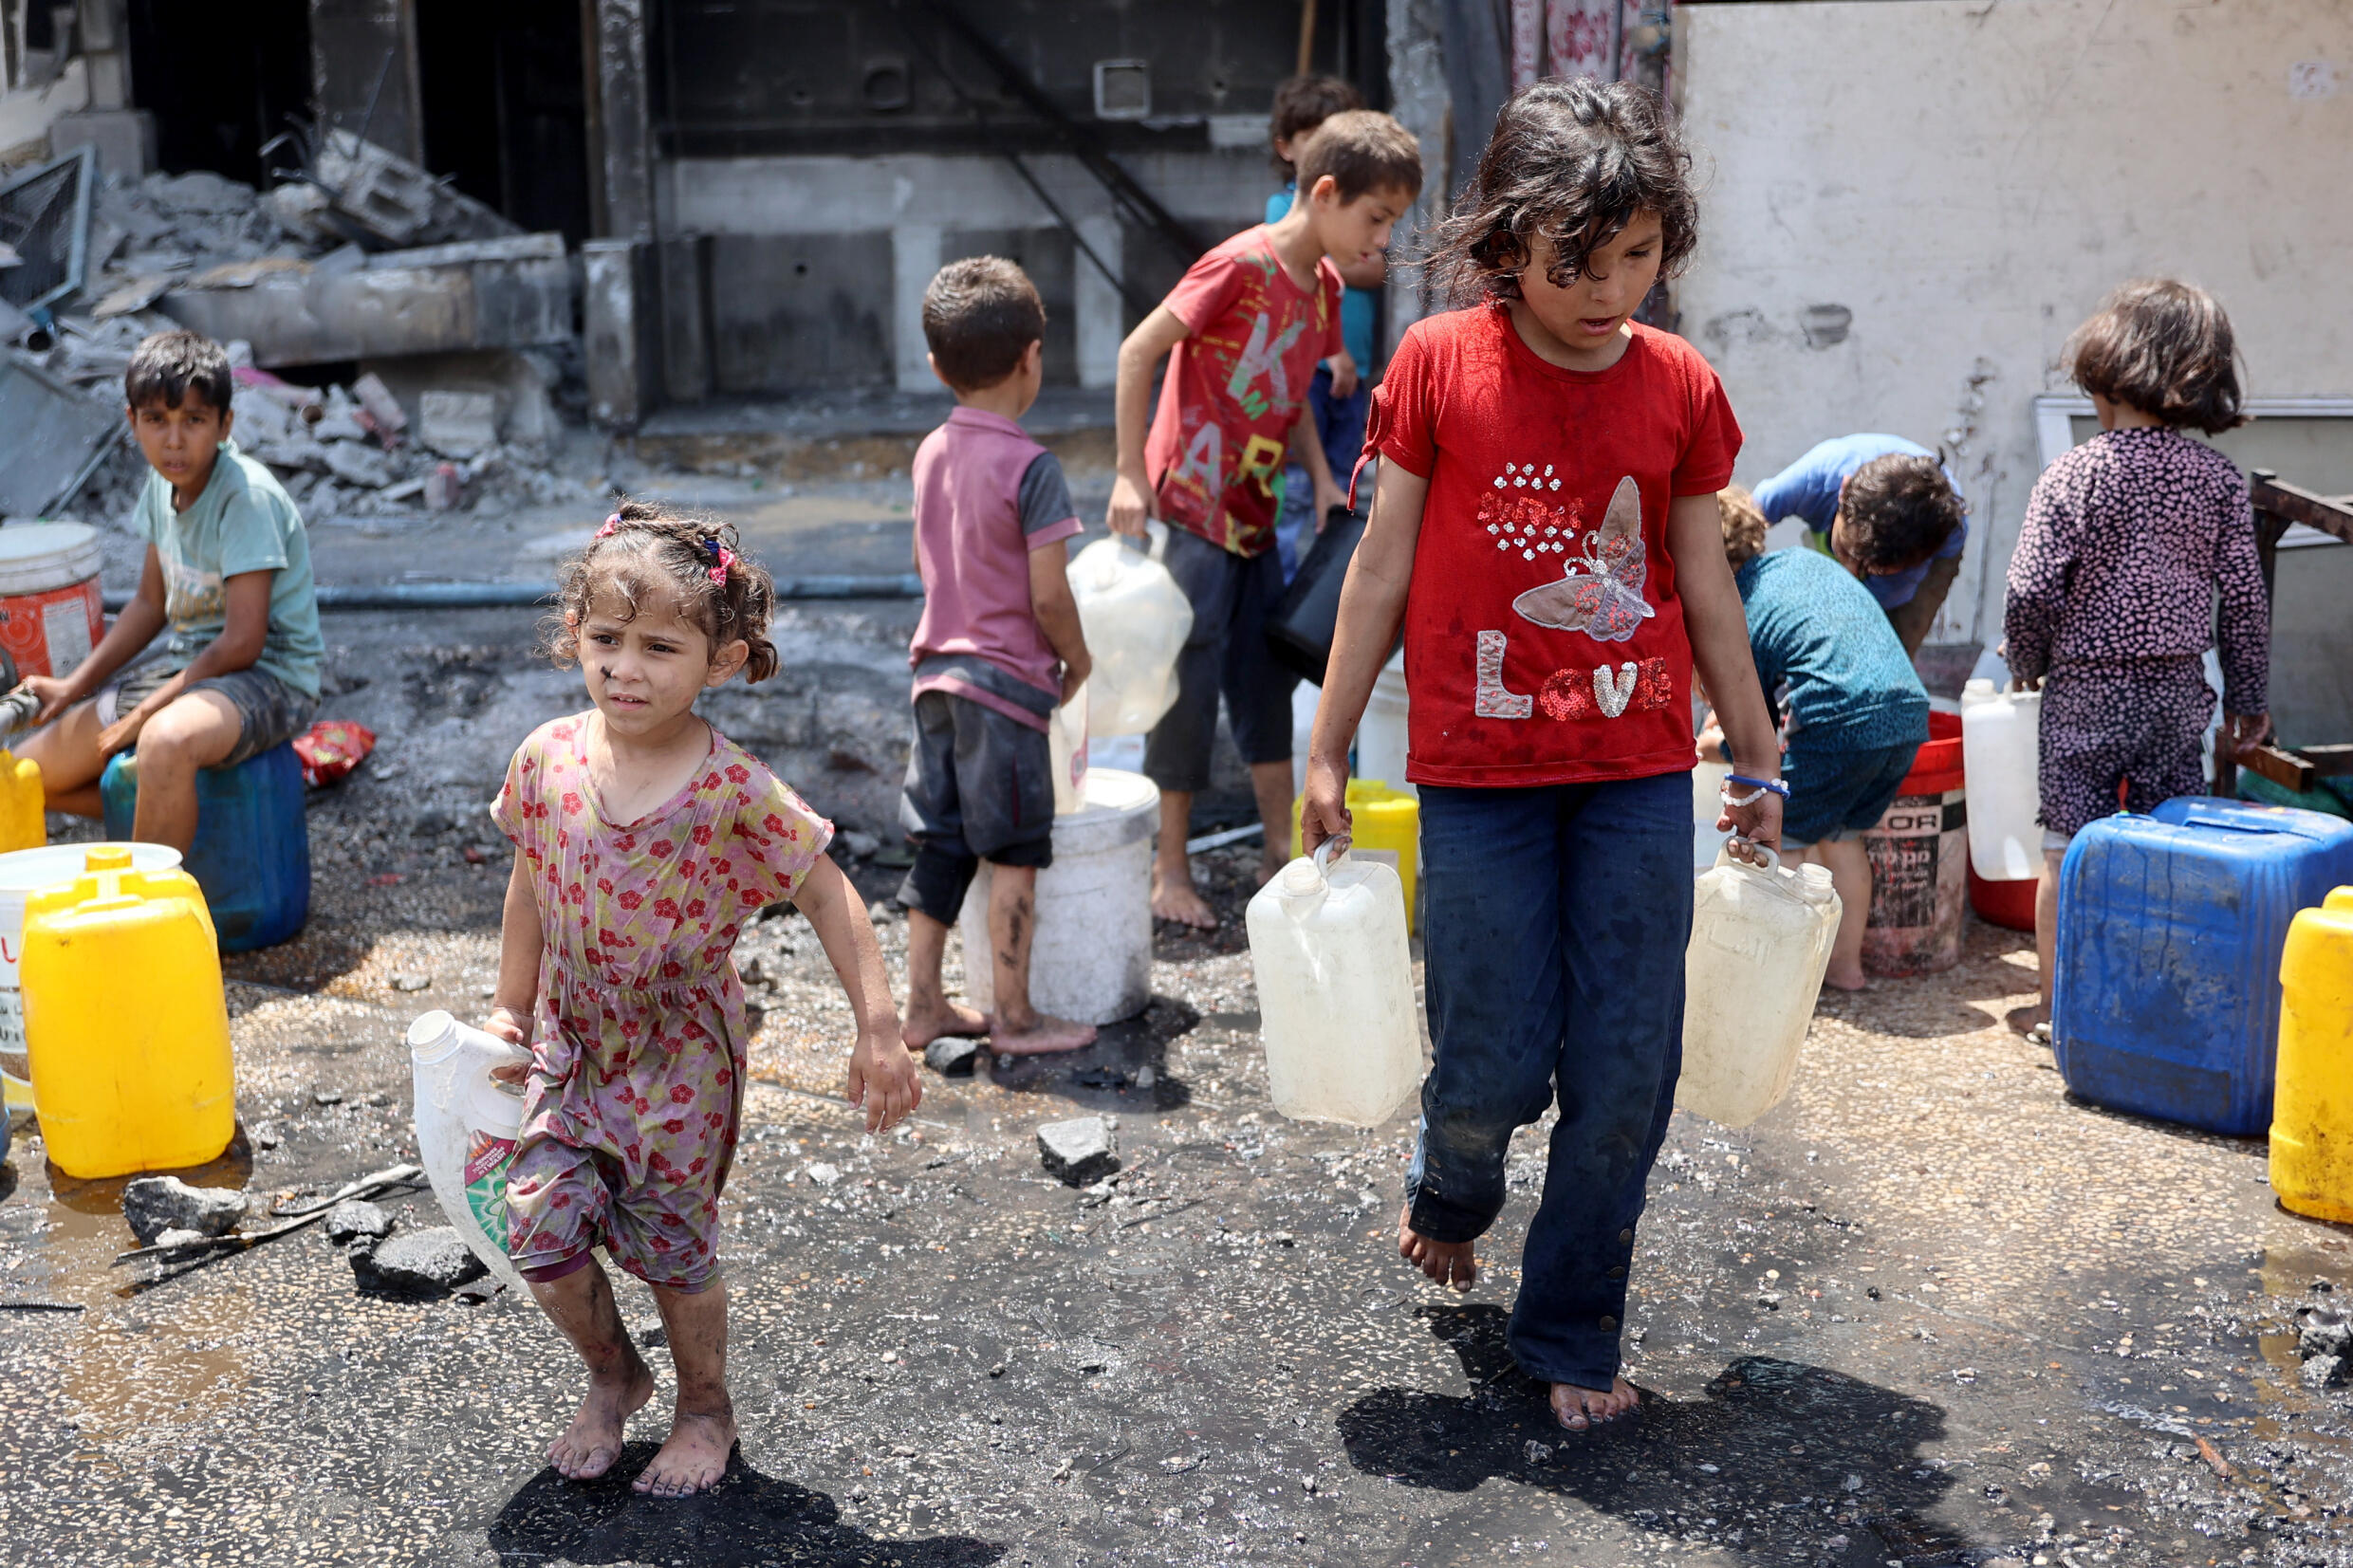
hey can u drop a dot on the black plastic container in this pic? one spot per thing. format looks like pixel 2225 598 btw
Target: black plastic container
pixel 1300 632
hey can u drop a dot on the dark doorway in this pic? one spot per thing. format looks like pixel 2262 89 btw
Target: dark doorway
pixel 218 89
pixel 506 107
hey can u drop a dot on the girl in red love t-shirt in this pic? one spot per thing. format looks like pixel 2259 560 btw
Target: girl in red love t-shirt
pixel 1544 529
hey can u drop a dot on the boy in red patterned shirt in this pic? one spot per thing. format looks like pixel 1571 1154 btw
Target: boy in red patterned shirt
pixel 1243 330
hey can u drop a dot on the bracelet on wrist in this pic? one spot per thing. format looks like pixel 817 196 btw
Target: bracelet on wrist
pixel 1766 787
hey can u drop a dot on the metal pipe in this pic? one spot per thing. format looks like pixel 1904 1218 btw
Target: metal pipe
pixel 495 596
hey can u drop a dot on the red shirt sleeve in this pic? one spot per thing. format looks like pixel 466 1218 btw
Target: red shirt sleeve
pixel 1707 463
pixel 1206 292
pixel 1403 424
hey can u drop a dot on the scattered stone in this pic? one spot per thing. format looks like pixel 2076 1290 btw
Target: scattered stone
pixel 997 1370
pixel 1538 1454
pixel 952 1056
pixel 2323 1371
pixel 1146 1077
pixel 420 1262
pixel 181 1238
pixel 410 982
pixel 263 1136
pixel 355 1218
pixel 1079 1151
pixel 326 1097
pixel 821 1173
pixel 153 1204
pixel 2325 1330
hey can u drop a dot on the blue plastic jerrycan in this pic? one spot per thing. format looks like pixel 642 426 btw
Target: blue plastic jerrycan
pixel 253 851
pixel 2166 1002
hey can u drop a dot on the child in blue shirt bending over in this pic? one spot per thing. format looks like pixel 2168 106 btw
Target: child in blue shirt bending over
pixel 1856 712
pixel 1342 393
pixel 1886 508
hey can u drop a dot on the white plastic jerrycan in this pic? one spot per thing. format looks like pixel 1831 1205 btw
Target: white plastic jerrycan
pixel 1136 619
pixel 2000 735
pixel 466 1126
pixel 1760 940
pixel 1065 748
pixel 1335 990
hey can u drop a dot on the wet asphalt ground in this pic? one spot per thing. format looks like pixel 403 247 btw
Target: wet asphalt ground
pixel 1931 1310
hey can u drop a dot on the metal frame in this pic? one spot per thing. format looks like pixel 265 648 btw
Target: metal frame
pixel 86 191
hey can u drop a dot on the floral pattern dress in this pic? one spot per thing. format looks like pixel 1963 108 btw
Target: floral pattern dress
pixel 639 1039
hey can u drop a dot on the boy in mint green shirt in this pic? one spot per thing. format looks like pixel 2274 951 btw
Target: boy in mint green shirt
pixel 228 572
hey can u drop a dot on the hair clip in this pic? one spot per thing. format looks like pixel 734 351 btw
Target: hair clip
pixel 612 527
pixel 723 557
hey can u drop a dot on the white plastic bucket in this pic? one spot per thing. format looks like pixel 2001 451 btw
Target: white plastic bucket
pixel 1380 736
pixel 50 612
pixel 23 873
pixel 1091 958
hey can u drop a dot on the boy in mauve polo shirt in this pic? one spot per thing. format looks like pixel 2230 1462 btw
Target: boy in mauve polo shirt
pixel 997 650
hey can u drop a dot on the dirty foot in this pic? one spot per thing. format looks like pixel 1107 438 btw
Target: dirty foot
pixel 948 1019
pixel 1175 899
pixel 695 1457
pixel 2026 1020
pixel 1042 1036
pixel 1845 980
pixel 1448 1262
pixel 592 1442
pixel 1579 1408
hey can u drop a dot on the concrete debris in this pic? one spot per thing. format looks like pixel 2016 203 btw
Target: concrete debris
pixel 354 1219
pixel 393 200
pixel 178 1238
pixel 153 1204
pixel 2323 1372
pixel 952 1056
pixel 821 1173
pixel 1079 1151
pixel 457 424
pixel 420 1262
pixel 385 416
pixel 2325 1331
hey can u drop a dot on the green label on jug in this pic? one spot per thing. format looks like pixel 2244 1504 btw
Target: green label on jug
pixel 487 1159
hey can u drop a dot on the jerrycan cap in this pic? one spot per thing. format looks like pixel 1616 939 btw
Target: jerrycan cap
pixel 1309 874
pixel 107 857
pixel 1814 881
pixel 2339 899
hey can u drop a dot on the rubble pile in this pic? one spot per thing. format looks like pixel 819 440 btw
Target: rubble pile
pixel 420 426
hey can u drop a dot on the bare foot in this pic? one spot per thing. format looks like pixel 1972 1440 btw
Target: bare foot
pixel 695 1457
pixel 949 1017
pixel 592 1442
pixel 1448 1262
pixel 1175 899
pixel 1845 980
pixel 1578 1408
pixel 1042 1036
pixel 2028 1018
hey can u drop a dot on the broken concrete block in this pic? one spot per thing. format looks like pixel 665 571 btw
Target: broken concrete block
pixel 153 1204
pixel 382 409
pixel 355 1218
pixel 952 1056
pixel 199 190
pixel 419 1262
pixel 457 424
pixel 356 464
pixel 2321 1370
pixel 396 202
pixel 1079 1151
pixel 2325 1331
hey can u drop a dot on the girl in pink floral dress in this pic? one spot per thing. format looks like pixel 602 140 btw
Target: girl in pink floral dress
pixel 644 841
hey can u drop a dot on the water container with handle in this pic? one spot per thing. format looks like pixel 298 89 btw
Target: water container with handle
pixel 125 1022
pixel 1335 990
pixel 1999 732
pixel 1760 940
pixel 1135 621
pixel 1066 750
pixel 466 1126
pixel 2312 1086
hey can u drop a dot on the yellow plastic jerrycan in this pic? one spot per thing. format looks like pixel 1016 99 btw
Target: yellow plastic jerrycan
pixel 125 1022
pixel 1386 824
pixel 21 824
pixel 2312 1085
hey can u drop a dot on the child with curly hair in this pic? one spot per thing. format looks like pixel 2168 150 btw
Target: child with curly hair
pixel 644 841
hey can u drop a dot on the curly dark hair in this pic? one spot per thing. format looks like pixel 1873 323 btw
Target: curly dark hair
pixel 1900 509
pixel 644 552
pixel 2166 348
pixel 1573 161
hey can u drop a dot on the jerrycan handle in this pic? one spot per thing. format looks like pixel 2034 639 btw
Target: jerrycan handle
pixel 1770 854
pixel 1156 540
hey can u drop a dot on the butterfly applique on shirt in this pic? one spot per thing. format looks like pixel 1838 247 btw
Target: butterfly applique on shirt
pixel 1600 592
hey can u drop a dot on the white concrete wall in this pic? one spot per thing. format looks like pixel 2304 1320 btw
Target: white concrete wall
pixel 1968 178
pixel 916 197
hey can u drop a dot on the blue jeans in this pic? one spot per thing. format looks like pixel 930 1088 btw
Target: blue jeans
pixel 1554 936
